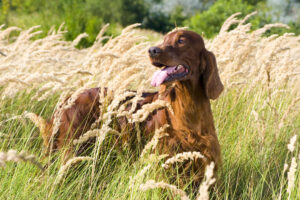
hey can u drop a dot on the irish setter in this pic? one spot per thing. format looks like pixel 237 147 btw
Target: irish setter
pixel 188 78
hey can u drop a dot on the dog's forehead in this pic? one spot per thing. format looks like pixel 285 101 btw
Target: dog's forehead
pixel 188 35
pixel 173 36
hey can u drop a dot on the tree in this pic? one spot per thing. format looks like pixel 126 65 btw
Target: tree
pixel 133 12
pixel 211 20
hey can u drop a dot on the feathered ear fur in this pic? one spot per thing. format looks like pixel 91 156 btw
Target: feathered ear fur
pixel 211 78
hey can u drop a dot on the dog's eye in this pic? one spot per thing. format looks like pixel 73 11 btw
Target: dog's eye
pixel 180 41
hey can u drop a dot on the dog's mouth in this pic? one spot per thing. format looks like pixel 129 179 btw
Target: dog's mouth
pixel 169 73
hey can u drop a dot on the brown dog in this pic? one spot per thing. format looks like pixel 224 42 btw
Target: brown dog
pixel 188 79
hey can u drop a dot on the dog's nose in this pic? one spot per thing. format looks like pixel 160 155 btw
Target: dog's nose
pixel 154 51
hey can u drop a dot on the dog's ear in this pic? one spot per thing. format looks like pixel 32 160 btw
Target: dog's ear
pixel 212 82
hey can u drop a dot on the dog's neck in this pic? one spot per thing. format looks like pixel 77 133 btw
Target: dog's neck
pixel 190 105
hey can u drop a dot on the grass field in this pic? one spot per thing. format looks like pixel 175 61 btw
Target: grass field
pixel 255 117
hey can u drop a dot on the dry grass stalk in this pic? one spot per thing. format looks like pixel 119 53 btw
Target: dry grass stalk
pixel 11 118
pixel 291 176
pixel 107 118
pixel 240 51
pixel 159 133
pixel 117 101
pixel 207 182
pixel 181 157
pixel 93 133
pixel 14 156
pixel 145 111
pixel 179 28
pixel 60 106
pixel 79 38
pixel 37 120
pixel 85 137
pixel 134 102
pixel 138 176
pixel 151 184
pixel 290 109
pixel 64 169
pixel 291 145
pixel 153 159
pixel 261 125
pixel 292 170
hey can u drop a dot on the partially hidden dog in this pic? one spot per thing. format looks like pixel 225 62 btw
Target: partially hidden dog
pixel 188 78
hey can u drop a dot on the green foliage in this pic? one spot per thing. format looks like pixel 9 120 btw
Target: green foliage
pixel 177 17
pixel 90 15
pixel 5 10
pixel 210 21
pixel 161 22
pixel 295 27
pixel 79 15
pixel 133 11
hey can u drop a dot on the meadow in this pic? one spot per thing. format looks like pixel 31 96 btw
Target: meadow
pixel 257 117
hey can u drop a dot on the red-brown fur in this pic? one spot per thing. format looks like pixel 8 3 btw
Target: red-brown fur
pixel 191 126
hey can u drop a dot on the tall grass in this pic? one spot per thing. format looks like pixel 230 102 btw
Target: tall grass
pixel 255 117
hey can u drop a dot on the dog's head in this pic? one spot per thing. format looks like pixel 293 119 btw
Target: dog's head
pixel 183 58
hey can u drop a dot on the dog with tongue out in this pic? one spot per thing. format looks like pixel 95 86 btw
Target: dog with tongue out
pixel 184 61
pixel 168 74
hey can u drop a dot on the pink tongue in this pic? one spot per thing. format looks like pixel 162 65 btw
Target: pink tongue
pixel 160 75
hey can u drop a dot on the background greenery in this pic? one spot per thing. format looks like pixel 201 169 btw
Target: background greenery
pixel 204 16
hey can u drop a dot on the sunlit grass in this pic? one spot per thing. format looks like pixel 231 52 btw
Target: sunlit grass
pixel 252 163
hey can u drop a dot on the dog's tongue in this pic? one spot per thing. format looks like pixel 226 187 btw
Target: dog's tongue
pixel 161 75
